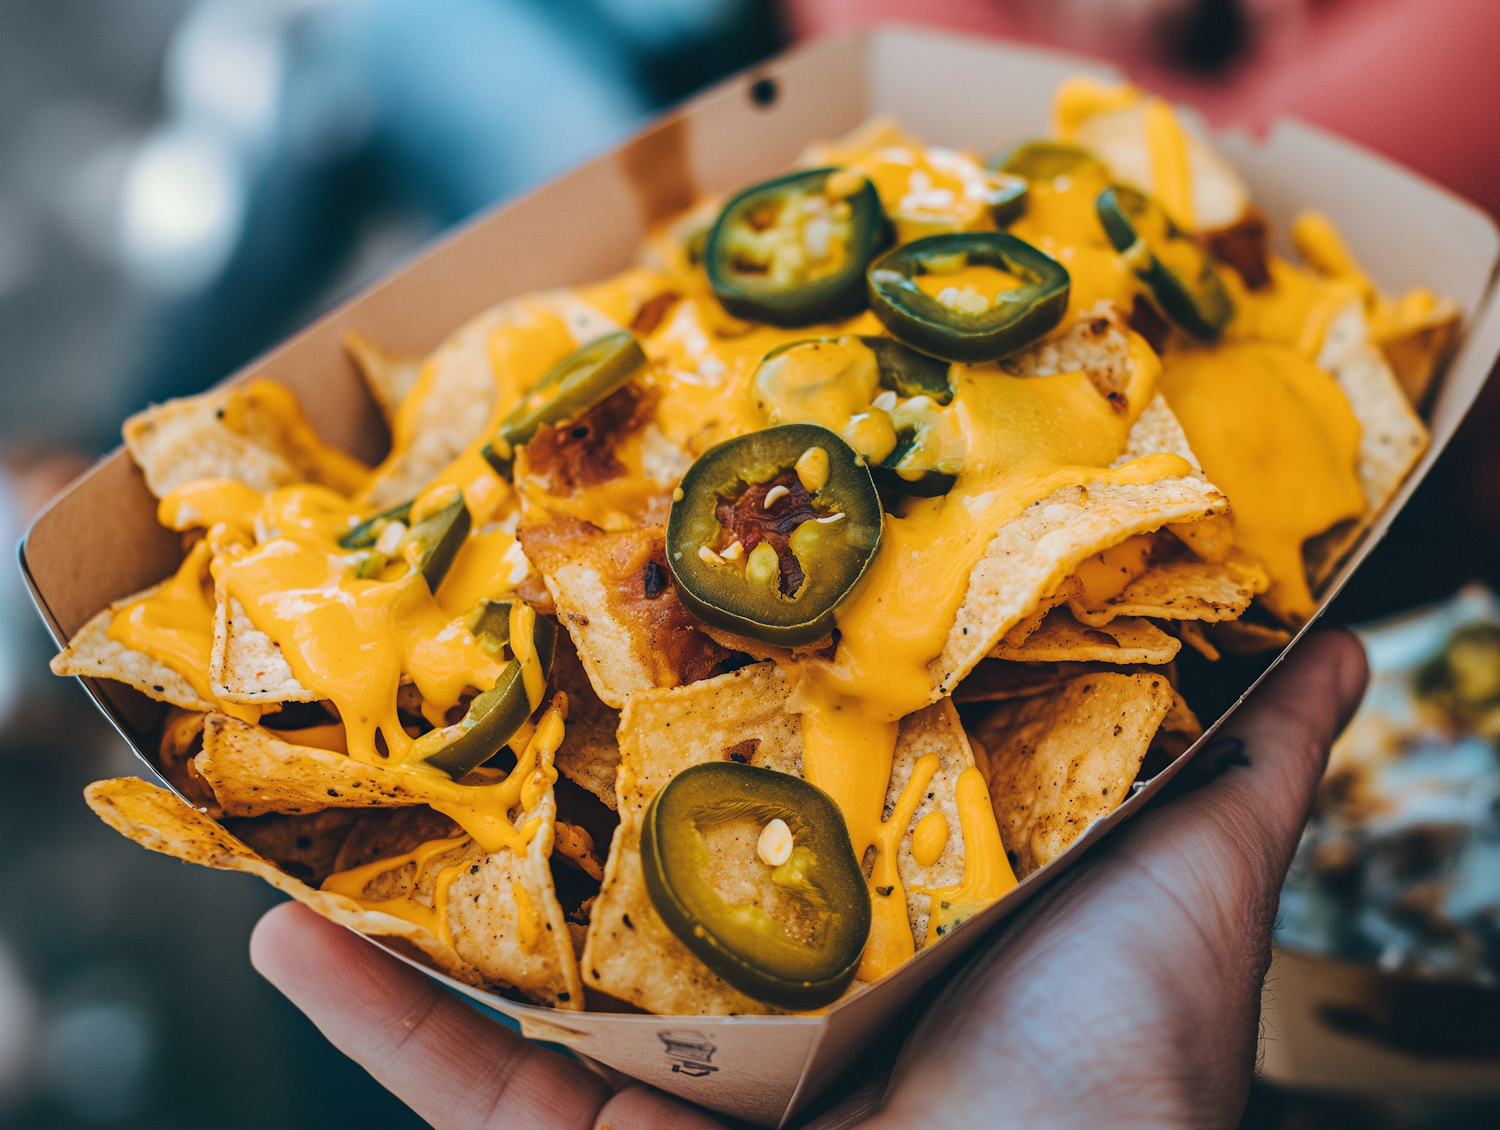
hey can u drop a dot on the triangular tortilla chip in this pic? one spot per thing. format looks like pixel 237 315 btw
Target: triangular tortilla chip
pixel 246 665
pixel 630 953
pixel 590 754
pixel 388 376
pixel 157 820
pixel 1057 761
pixel 91 654
pixel 1182 589
pixel 1031 556
pixel 255 434
pixel 1392 435
pixel 1062 639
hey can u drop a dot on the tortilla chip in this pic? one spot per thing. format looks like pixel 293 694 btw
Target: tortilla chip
pixel 253 772
pixel 1192 633
pixel 255 434
pixel 457 388
pixel 590 754
pixel 1417 347
pixel 995 680
pixel 1057 761
pixel 630 953
pixel 246 665
pixel 91 654
pixel 1031 556
pixel 1179 730
pixel 1157 431
pixel 307 847
pixel 1062 639
pixel 157 820
pixel 628 641
pixel 1183 589
pixel 388 376
pixel 1392 435
pixel 1245 637
pixel 1098 345
pixel 181 741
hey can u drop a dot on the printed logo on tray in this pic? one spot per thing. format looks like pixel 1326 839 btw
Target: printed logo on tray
pixel 689 1052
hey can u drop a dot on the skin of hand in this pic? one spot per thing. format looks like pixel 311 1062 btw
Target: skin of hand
pixel 1126 994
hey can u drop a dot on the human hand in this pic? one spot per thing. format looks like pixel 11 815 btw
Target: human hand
pixel 1125 994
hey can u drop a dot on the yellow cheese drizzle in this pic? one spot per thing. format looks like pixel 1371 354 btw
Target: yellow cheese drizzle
pixel 434 918
pixel 889 944
pixel 175 626
pixel 987 871
pixel 483 812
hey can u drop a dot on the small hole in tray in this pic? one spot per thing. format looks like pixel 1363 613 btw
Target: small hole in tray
pixel 764 92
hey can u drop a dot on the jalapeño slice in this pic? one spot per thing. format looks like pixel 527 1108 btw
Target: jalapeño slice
pixel 577 383
pixel 494 716
pixel 773 572
pixel 913 468
pixel 1048 160
pixel 800 945
pixel 435 540
pixel 1011 321
pixel 1175 268
pixel 363 535
pixel 793 251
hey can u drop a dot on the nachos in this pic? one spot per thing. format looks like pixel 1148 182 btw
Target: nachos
pixel 627 678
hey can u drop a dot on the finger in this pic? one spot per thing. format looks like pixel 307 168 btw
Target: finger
pixel 449 1063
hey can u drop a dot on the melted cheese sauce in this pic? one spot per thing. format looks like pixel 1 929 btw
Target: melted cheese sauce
pixel 1274 433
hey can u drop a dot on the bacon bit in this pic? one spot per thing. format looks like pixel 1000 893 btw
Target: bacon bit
pixel 1147 321
pixel 1242 245
pixel 582 454
pixel 742 751
pixel 750 521
pixel 653 312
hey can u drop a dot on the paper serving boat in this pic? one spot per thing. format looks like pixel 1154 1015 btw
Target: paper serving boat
pixel 100 540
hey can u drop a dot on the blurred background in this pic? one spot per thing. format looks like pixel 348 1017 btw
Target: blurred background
pixel 184 182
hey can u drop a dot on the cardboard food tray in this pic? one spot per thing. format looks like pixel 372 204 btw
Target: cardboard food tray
pixel 100 540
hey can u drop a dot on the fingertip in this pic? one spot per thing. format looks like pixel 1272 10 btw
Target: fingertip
pixel 282 938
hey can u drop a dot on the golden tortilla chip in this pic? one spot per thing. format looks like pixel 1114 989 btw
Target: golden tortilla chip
pixel 307 847
pixel 603 584
pixel 1156 431
pixel 1245 637
pixel 1392 435
pixel 255 434
pixel 1179 730
pixel 246 665
pixel 590 754
pixel 181 741
pixel 1057 761
pixel 91 654
pixel 388 376
pixel 1183 589
pixel 1192 633
pixel 1031 556
pixel 630 953
pixel 1062 639
pixel 453 398
pixel 157 820
pixel 253 772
